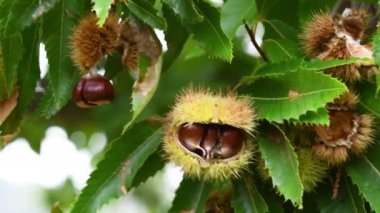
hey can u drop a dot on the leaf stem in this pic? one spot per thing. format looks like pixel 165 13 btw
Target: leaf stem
pixel 251 34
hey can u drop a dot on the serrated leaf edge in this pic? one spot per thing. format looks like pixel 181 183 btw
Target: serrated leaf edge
pixel 314 107
pixel 374 169
pixel 162 23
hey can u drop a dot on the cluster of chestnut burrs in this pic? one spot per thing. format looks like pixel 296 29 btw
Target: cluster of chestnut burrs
pixel 210 135
pixel 340 36
pixel 92 43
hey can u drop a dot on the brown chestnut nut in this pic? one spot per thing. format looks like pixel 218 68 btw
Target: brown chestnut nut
pixel 190 136
pixel 211 141
pixel 93 90
pixel 209 135
pixel 231 140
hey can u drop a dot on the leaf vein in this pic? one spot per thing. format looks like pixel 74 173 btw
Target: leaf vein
pixel 350 195
pixel 372 166
pixel 218 34
pixel 299 95
pixel 154 16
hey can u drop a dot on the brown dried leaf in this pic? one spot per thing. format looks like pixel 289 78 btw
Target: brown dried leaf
pixel 5 139
pixel 124 174
pixel 146 40
pixel 56 208
pixel 145 86
pixel 7 106
pixel 149 45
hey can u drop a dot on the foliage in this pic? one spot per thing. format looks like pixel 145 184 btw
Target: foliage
pixel 206 46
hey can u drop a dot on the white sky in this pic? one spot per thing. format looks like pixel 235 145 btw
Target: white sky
pixel 58 160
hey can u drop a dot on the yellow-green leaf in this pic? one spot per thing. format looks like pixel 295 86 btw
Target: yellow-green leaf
pixel 101 8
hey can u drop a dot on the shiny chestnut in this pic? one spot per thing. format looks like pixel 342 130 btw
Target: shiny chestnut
pixel 93 90
pixel 211 141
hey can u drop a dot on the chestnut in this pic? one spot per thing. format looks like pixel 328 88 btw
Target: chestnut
pixel 341 128
pixel 208 134
pixel 211 141
pixel 232 141
pixel 190 136
pixel 93 90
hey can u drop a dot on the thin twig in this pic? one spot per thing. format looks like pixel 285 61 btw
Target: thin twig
pixel 251 34
pixel 155 120
pixel 237 87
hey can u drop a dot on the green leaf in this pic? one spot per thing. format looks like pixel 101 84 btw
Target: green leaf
pixel 175 35
pixel 368 99
pixel 11 52
pixel 376 47
pixel 369 1
pixel 29 69
pixel 34 133
pixel 282 164
pixel 19 14
pixel 247 198
pixel 209 35
pixel 62 75
pixel 146 12
pixel 28 75
pixel 191 196
pixel 140 155
pixel 320 117
pixel 273 69
pixel 307 8
pixel 277 29
pixel 151 166
pixel 348 201
pixel 145 89
pixel 281 49
pixel 271 197
pixel 233 14
pixel 125 157
pixel 286 11
pixel 365 173
pixel 191 50
pixel 293 64
pixel 321 64
pixel 101 8
pixel 56 208
pixel 293 94
pixel 377 84
pixel 186 10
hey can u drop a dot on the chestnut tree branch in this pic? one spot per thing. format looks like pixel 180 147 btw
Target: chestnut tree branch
pixel 251 34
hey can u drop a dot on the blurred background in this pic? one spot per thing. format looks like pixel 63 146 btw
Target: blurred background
pixel 32 182
pixel 53 164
